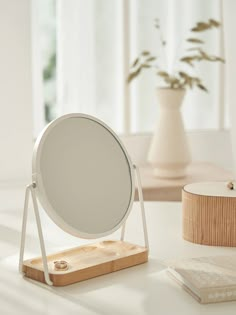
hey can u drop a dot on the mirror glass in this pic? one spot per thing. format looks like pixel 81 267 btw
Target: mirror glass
pixel 83 175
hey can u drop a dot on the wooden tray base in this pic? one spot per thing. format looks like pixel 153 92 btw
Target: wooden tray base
pixel 86 262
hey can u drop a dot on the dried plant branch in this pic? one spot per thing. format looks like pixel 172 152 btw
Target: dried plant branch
pixel 182 79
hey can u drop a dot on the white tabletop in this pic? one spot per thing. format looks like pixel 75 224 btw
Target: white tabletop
pixel 145 289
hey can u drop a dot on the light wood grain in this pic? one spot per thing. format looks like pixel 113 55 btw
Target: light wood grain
pixel 209 220
pixel 87 262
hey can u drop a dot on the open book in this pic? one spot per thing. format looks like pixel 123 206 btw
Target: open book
pixel 208 279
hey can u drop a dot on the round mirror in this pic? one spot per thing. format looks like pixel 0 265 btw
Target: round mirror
pixel 84 177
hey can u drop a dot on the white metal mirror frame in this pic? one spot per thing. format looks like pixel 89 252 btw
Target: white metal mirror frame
pixel 31 189
pixel 37 179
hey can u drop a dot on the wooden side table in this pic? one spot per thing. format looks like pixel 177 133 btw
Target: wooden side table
pixel 156 189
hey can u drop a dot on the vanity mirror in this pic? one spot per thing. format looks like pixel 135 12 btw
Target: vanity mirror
pixel 84 180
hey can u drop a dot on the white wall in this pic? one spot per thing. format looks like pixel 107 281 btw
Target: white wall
pixel 15 91
pixel 230 54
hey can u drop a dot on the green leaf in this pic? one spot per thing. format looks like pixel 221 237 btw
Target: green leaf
pixel 151 59
pixel 207 57
pixel 188 60
pixel 195 40
pixel 201 26
pixel 221 59
pixel 218 59
pixel 163 74
pixel 146 66
pixel 133 75
pixel 135 62
pixel 172 81
pixel 202 87
pixel 204 55
pixel 145 53
pixel 214 23
pixel 183 74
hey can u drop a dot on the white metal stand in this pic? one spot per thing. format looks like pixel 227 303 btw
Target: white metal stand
pixel 140 196
pixel 31 189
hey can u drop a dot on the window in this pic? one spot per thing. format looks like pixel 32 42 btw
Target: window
pixel 86 46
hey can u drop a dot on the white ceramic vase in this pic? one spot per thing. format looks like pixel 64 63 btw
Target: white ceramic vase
pixel 169 152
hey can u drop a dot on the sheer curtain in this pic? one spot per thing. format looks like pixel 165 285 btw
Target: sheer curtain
pixel 89 54
pixel 90 59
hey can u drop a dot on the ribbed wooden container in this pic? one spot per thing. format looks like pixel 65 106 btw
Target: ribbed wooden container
pixel 207 218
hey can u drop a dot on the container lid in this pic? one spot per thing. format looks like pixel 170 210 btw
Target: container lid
pixel 213 189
